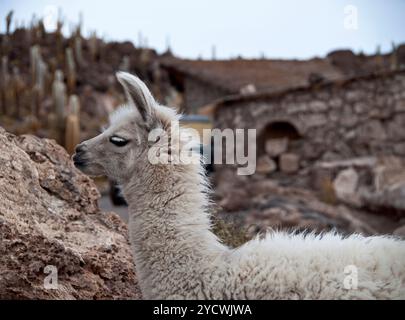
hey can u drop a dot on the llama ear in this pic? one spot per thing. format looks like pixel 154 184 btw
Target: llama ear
pixel 137 93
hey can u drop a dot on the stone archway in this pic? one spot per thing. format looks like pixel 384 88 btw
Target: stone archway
pixel 277 146
pixel 277 131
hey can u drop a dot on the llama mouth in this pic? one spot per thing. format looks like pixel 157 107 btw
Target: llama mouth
pixel 79 162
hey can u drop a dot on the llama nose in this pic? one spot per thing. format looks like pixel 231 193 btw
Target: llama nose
pixel 80 148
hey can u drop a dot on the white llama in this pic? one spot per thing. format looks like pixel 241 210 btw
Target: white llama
pixel 178 257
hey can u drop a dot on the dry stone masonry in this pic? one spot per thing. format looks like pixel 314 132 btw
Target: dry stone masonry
pixel 352 118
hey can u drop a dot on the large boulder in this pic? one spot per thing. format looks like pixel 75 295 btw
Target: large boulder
pixel 286 208
pixel 375 184
pixel 263 203
pixel 345 185
pixel 55 243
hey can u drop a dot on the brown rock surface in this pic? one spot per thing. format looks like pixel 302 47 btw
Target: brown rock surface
pixel 376 184
pixel 267 203
pixel 265 165
pixel 400 232
pixel 49 216
pixel 289 162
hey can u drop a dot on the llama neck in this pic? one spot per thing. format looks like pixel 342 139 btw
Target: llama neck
pixel 168 221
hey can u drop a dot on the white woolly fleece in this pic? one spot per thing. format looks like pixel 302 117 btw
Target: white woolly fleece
pixel 178 257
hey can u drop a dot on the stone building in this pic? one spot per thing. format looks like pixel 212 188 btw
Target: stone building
pixel 204 81
pixel 355 117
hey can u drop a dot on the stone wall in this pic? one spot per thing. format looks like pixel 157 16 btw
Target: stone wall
pixel 198 94
pixel 357 117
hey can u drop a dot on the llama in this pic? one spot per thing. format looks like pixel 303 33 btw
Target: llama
pixel 178 257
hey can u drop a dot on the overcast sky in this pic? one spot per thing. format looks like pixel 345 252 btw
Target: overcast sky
pixel 250 28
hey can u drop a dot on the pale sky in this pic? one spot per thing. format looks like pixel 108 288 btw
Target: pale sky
pixel 277 29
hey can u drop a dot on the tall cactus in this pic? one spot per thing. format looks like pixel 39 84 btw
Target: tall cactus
pixel 140 40
pixel 78 50
pixel 39 70
pixel 72 132
pixel 41 75
pixel 9 18
pixel 34 57
pixel 59 101
pixel 74 105
pixel 71 70
pixel 18 85
pixel 5 84
pixel 379 58
pixel 59 38
pixel 125 64
pixel 93 45
pixel 394 58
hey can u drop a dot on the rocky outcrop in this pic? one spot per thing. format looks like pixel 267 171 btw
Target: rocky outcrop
pixel 375 184
pixel 263 203
pixel 55 243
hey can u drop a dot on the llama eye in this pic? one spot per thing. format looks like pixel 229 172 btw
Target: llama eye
pixel 118 141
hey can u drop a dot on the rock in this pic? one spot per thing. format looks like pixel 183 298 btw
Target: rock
pixel 387 194
pixel 286 208
pixel 376 184
pixel 345 60
pixel 401 55
pixel 318 106
pixel 263 204
pixel 234 200
pixel 367 162
pixel 275 147
pixel 315 78
pixel 265 165
pixel 400 232
pixel 51 228
pixel 289 162
pixel 390 201
pixel 315 120
pixel 248 89
pixel 396 127
pixel 335 103
pixel 345 185
pixel 360 107
pixel 372 129
pixel 388 173
pixel 399 149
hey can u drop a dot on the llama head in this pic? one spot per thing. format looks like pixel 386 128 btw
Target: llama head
pixel 122 148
